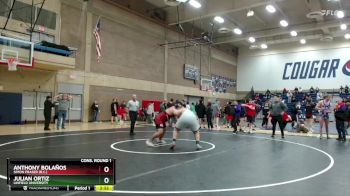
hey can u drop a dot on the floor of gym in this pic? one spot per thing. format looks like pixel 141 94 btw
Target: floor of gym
pixel 228 164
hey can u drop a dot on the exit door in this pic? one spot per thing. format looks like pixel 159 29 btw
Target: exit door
pixel 33 106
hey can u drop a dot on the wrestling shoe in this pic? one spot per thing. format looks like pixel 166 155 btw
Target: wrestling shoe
pixel 198 147
pixel 149 143
pixel 161 142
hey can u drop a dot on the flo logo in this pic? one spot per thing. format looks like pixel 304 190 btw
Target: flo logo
pixel 346 68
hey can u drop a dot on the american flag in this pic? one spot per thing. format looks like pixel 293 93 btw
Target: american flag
pixel 97 35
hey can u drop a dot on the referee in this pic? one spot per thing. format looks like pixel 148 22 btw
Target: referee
pixel 133 106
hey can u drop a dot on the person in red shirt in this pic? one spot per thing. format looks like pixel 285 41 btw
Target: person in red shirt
pixel 250 113
pixel 160 120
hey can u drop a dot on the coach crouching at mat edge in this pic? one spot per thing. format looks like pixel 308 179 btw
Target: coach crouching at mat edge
pixel 133 106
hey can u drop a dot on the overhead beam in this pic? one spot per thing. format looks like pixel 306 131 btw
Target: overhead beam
pixel 280 31
pixel 246 5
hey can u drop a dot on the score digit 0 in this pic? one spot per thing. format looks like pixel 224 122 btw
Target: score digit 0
pixel 106 169
pixel 106 180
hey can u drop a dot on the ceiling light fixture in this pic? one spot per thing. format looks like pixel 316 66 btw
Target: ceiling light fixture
pixel 343 26
pixel 283 23
pixel 303 41
pixel 219 19
pixel 251 39
pixel 263 46
pixel 250 13
pixel 270 8
pixel 340 14
pixel 237 31
pixel 195 4
pixel 293 33
pixel 347 36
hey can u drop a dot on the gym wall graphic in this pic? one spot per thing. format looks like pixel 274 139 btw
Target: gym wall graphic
pixel 328 68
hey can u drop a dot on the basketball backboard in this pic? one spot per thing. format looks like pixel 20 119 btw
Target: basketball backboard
pixel 22 51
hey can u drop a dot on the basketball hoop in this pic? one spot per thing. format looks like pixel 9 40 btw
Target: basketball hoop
pixel 12 64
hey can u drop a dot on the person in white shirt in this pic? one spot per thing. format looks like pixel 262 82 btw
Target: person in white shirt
pixel 133 106
pixel 150 112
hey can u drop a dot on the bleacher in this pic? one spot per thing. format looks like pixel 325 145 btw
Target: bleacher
pixel 299 98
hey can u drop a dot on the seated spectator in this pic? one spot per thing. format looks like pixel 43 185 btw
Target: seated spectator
pixel 341 90
pixel 318 96
pixel 294 98
pixel 296 90
pixel 317 90
pixel 346 89
pixel 289 96
pixel 312 90
pixel 284 91
pixel 300 89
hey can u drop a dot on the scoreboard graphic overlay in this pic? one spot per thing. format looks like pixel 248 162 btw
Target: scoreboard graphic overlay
pixel 78 174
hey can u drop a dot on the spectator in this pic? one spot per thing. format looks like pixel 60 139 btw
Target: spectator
pixel 95 110
pixel 296 90
pixel 250 113
pixel 133 106
pixel 284 91
pixel 63 106
pixel 341 90
pixel 265 112
pixel 47 112
pixel 317 90
pixel 209 113
pixel 114 110
pixel 309 108
pixel 300 89
pixel 228 116
pixel 201 113
pixel 312 90
pixel 340 114
pixel 163 106
pixel 188 106
pixel 277 108
pixel 216 113
pixel 150 113
pixel 324 107
pixel 346 89
pixel 122 113
pixel 318 96
pixel 348 104
pixel 289 96
pixel 294 115
pixel 268 94
pixel 237 116
pixel 294 97
pixel 193 108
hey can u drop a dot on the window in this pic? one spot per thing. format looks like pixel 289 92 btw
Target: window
pixel 47 19
pixel 22 12
pixel 5 6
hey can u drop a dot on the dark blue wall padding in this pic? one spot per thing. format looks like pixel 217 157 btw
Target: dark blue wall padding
pixel 10 108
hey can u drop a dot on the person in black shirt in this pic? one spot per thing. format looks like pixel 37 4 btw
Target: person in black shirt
pixel 200 112
pixel 47 112
pixel 209 113
pixel 95 110
pixel 114 110
pixel 309 108
pixel 346 89
pixel 265 112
